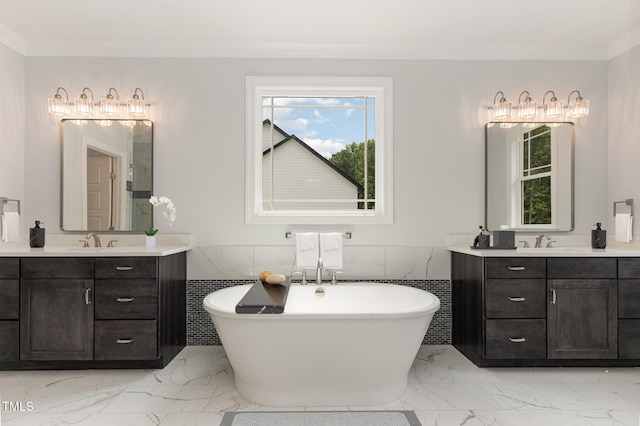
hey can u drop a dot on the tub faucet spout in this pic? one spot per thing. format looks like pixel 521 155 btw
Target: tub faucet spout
pixel 319 272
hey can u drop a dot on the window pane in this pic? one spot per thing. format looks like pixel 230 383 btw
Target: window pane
pixel 536 201
pixel 319 157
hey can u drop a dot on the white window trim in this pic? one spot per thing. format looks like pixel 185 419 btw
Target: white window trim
pixel 380 87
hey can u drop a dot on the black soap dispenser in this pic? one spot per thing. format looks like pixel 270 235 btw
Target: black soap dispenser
pixel 36 235
pixel 598 237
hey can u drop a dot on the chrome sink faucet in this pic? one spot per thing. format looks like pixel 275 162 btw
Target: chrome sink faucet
pixel 319 272
pixel 96 239
pixel 539 239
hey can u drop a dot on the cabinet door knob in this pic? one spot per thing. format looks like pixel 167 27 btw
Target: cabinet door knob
pixel 516 299
pixel 517 339
pixel 124 268
pixel 516 268
pixel 124 341
pixel 124 299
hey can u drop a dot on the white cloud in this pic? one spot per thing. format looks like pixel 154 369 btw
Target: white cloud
pixel 325 147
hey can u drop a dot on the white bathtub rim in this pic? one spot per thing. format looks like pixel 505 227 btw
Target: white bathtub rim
pixel 229 311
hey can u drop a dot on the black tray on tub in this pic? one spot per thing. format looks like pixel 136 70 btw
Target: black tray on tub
pixel 264 298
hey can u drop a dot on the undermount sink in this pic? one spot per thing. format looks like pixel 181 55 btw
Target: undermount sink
pixel 555 249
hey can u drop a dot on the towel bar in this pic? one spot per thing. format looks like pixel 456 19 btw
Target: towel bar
pixel 345 235
pixel 5 200
pixel 628 202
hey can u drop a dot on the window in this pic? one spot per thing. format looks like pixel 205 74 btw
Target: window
pixel 535 178
pixel 319 150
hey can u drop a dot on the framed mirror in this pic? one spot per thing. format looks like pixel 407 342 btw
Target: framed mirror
pixel 529 176
pixel 106 175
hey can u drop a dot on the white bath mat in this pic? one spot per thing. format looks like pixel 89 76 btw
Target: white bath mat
pixel 320 418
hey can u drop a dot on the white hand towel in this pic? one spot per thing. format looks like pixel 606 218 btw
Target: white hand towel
pixel 624 227
pixel 10 226
pixel 331 250
pixel 307 251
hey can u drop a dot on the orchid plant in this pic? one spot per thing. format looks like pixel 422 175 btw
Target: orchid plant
pixel 170 212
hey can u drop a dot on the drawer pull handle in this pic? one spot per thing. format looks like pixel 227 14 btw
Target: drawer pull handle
pixel 516 299
pixel 87 296
pixel 124 299
pixel 124 268
pixel 517 339
pixel 553 296
pixel 516 268
pixel 124 341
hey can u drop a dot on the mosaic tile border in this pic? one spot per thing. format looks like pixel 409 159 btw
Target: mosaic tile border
pixel 201 332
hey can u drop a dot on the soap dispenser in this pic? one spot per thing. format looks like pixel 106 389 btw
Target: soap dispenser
pixel 36 235
pixel 598 237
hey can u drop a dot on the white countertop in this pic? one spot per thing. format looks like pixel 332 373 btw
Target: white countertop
pixel 550 252
pixel 61 251
pixel 70 245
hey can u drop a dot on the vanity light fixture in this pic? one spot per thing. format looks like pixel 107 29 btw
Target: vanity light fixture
pixel 579 107
pixel 57 105
pixel 527 108
pixel 501 109
pixel 110 105
pixel 85 106
pixel 135 104
pixel 552 109
pixel 82 104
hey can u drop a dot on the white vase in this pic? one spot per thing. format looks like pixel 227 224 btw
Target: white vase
pixel 151 241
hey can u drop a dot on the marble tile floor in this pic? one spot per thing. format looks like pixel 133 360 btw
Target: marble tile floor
pixel 444 389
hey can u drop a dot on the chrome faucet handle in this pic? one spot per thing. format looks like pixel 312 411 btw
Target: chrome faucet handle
pixel 110 243
pixel 524 244
pixel 334 281
pixel 303 280
pixel 550 243
pixel 85 243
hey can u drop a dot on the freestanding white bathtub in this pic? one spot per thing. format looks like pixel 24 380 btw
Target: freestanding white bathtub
pixel 354 345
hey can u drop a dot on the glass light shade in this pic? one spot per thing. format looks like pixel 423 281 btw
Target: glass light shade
pixel 578 108
pixel 553 109
pixel 136 107
pixel 58 106
pixel 109 106
pixel 527 109
pixel 502 110
pixel 83 106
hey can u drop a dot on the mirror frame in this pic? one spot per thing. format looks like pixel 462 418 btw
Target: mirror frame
pixel 567 224
pixel 140 230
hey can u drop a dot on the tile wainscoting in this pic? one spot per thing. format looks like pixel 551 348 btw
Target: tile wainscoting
pixel 200 330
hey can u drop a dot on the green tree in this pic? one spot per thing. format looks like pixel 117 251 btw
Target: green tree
pixel 351 161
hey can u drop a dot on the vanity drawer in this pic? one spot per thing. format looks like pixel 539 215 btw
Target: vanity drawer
pixel 9 340
pixel 125 340
pixel 582 267
pixel 57 267
pixel 9 267
pixel 515 267
pixel 9 299
pixel 126 267
pixel 629 267
pixel 629 299
pixel 516 339
pixel 515 298
pixel 131 299
pixel 629 339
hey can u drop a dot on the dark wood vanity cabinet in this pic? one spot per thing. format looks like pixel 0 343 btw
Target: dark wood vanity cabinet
pixel 536 311
pixel 84 312
pixel 9 309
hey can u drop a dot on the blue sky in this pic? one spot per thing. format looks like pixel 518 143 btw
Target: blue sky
pixel 325 124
